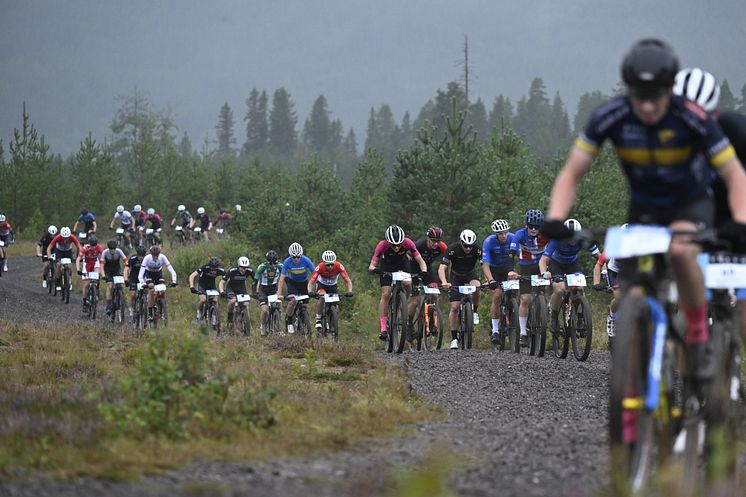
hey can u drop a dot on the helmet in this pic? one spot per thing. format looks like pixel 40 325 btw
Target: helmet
pixel 181 208
pixel 93 241
pixel 534 216
pixel 435 233
pixel 394 234
pixel 141 250
pixel 137 208
pixel 698 86
pixel 213 262
pixel 243 262
pixel 468 237
pixel 2 218
pixel 272 257
pixel 52 230
pixel 84 212
pixel 65 232
pixel 151 211
pixel 238 207
pixel 573 225
pixel 200 210
pixel 222 211
pixel 295 249
pixel 120 208
pixel 112 244
pixel 155 250
pixel 499 225
pixel 650 63
pixel 624 226
pixel 329 257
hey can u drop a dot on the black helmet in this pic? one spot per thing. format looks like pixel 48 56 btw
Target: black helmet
pixel 650 63
pixel 141 250
pixel 93 240
pixel 84 212
pixel 213 262
pixel 435 233
pixel 112 244
pixel 272 257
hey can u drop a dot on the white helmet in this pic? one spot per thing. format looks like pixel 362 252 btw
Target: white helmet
pixel 238 207
pixel 137 208
pixel 2 218
pixel 394 234
pixel 698 86
pixel 499 225
pixel 624 226
pixel 295 249
pixel 120 208
pixel 329 257
pixel 151 211
pixel 468 237
pixel 573 225
pixel 65 232
pixel 52 230
pixel 243 262
pixel 181 208
pixel 200 210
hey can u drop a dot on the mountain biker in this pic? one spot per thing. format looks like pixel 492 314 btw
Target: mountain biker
pixel 497 266
pixel 7 235
pixel 131 272
pixel 612 270
pixel 664 144
pixel 461 259
pixel 528 245
pixel 156 224
pixel 223 220
pixel 266 277
pixel 138 215
pixel 89 257
pixel 296 271
pixel 207 274
pixel 151 273
pixel 236 278
pixel 430 247
pixel 41 251
pixel 62 247
pixel 89 221
pixel 393 254
pixel 203 220
pixel 324 280
pixel 111 265
pixel 126 223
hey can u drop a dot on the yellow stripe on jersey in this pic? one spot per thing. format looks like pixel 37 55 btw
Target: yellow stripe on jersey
pixel 723 157
pixel 659 157
pixel 585 146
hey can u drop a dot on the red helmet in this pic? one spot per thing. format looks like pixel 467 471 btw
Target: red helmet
pixel 155 250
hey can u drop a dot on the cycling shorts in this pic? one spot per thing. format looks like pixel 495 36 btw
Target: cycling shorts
pixel 459 280
pixel 500 274
pixel 265 290
pixel 527 270
pixel 700 211
pixel 154 276
pixel 557 268
pixel 297 287
pixel 330 289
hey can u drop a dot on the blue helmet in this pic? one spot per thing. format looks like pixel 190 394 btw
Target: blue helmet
pixel 534 216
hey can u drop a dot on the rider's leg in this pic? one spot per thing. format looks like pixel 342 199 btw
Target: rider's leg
pixel 497 295
pixel 383 306
pixel 453 318
pixel 231 307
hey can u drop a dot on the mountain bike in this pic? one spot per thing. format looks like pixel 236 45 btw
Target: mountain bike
pixel 538 316
pixel 576 319
pixel 509 328
pixel 117 300
pixel 140 312
pixel 466 314
pixel 330 315
pixel 196 234
pixel 299 319
pixel 150 238
pixel 241 315
pixel 90 305
pixel 49 274
pixel 180 237
pixel 428 319
pixel 65 278
pixel 397 312
pixel 274 315
pixel 211 313
pixel 160 311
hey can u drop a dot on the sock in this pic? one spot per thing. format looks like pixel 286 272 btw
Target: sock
pixel 522 321
pixel 454 335
pixel 384 322
pixel 696 324
pixel 230 317
pixel 495 325
pixel 318 317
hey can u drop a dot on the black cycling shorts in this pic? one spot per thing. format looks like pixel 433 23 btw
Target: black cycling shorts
pixel 265 290
pixel 459 280
pixel 527 270
pixel 557 268
pixel 297 287
pixel 700 211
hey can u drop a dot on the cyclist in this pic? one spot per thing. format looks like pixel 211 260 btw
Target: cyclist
pixel 528 245
pixel 265 280
pixel 62 246
pixel 612 270
pixel 131 272
pixel 393 254
pixel 88 256
pixel 204 222
pixel 207 274
pixel 324 280
pixel 41 251
pixel 89 222
pixel 497 266
pixel 561 258
pixel 183 218
pixel 431 247
pixel 296 271
pixel 151 272
pixel 7 235
pixel 223 220
pixel 156 224
pixel 661 140
pixel 236 278
pixel 126 223
pixel 460 260
pixel 111 265
pixel 139 217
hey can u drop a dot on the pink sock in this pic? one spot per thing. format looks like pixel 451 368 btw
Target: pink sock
pixel 629 426
pixel 696 328
pixel 384 322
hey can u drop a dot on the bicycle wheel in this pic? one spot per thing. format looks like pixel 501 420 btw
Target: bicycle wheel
pixel 117 305
pixel 419 326
pixel 582 328
pixel 304 323
pixel 561 338
pixel 244 320
pixel 275 320
pixel 510 328
pixel 332 322
pixel 538 335
pixel 49 276
pixel 93 300
pixel 66 285
pixel 466 320
pixel 402 315
pixel 212 317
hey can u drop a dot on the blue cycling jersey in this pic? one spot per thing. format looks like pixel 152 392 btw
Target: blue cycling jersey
pixel 298 271
pixel 566 253
pixel 86 218
pixel 529 248
pixel 495 253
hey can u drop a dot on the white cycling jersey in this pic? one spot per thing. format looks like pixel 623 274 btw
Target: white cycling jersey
pixel 155 265
pixel 124 216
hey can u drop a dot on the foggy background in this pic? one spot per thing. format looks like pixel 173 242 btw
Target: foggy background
pixel 70 60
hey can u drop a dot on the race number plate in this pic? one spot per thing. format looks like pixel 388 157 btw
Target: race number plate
pixel 577 279
pixel 243 297
pixel 467 289
pixel 723 271
pixel 149 231
pixel 301 297
pixel 212 293
pixel 161 287
pixel 92 275
pixel 272 299
pixel 401 276
pixel 537 280
pixel 328 297
pixel 430 290
pixel 120 231
pixel 511 285
pixel 65 260
pixel 179 228
pixel 82 235
pixel 197 229
pixel 220 230
pixel 635 240
pixel 118 280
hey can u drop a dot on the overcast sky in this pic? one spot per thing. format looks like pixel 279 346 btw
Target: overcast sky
pixel 70 60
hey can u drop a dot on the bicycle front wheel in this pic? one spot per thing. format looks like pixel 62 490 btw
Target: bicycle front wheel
pixel 467 325
pixel 332 322
pixel 561 336
pixel 66 285
pixel 539 329
pixel 582 328
pixel 245 322
pixel 401 320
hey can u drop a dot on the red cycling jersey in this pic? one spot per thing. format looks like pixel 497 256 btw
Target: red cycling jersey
pixel 5 228
pixel 90 256
pixel 329 275
pixel 63 244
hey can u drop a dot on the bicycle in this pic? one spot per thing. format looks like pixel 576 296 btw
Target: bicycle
pixel 428 319
pixel 466 314
pixel 211 313
pixel 197 234
pixel 274 315
pixel 150 238
pixel 576 319
pixel 48 275
pixel 90 305
pixel 299 319
pixel 160 312
pixel 117 300
pixel 330 315
pixel 121 239
pixel 140 312
pixel 241 315
pixel 180 237
pixel 65 278
pixel 397 312
pixel 2 257
pixel 508 316
pixel 538 317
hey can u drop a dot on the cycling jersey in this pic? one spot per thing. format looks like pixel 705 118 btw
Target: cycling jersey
pixel 329 276
pixel 429 255
pixel 5 229
pixel 267 275
pixel 566 253
pixel 183 218
pixel 496 253
pixel 203 220
pixel 111 260
pixel 139 218
pixel 223 218
pixel 134 264
pixel 392 260
pixel 462 262
pixel 60 244
pixel 155 266
pixel 44 242
pixel 236 280
pixel 88 220
pixel 207 275
pixel 297 271
pixel 155 221
pixel 734 127
pixel 124 217
pixel 529 248
pixel 665 164
pixel 89 255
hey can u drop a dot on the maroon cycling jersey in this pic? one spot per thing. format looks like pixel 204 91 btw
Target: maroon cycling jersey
pixel 391 258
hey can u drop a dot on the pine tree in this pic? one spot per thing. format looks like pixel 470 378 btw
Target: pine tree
pixel 224 132
pixel 257 127
pixel 501 115
pixel 93 165
pixel 477 118
pixel 283 137
pixel 727 100
pixel 317 132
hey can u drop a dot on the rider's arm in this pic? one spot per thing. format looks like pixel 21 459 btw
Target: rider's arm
pixel 597 274
pixel 94 225
pixel 313 278
pixel 487 272
pixel 442 274
pixel 192 276
pixel 77 261
pixel 75 226
pixel 221 285
pixel 543 264
pixel 565 186
pixel 345 277
pixel 281 286
pixel 735 179
pixel 38 249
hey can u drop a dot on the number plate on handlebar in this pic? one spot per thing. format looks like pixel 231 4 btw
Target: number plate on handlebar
pixel 723 272
pixel 92 275
pixel 118 280
pixel 197 229
pixel 401 276
pixel 179 228
pixel 219 230
pixel 82 235
pixel 161 287
pixel 2 243
pixel 511 285
pixel 635 240
pixel 65 260
pixel 243 297
pixel 429 290
pixel 120 231
pixel 537 280
pixel 149 231
pixel 576 279
pixel 467 289
pixel 212 293
pixel 328 297
pixel 301 297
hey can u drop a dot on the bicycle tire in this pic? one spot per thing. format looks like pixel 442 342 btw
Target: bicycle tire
pixel 66 285
pixel 512 329
pixel 401 320
pixel 582 328
pixel 303 326
pixel 561 339
pixel 213 319
pixel 333 322
pixel 49 276
pixel 418 324
pixel 538 335
pixel 93 300
pixel 275 320
pixel 244 320
pixel 117 303
pixel 466 315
